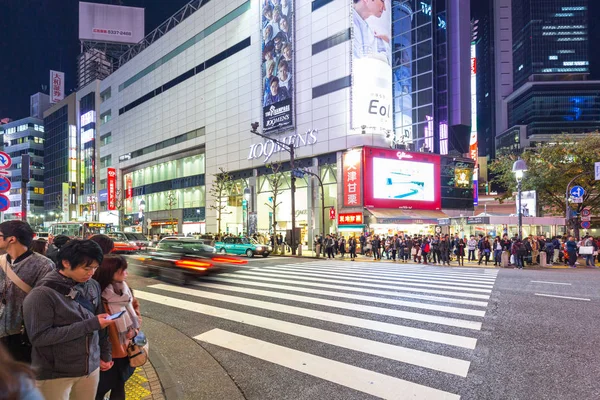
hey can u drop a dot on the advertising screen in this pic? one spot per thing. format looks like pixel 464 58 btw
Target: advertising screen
pixel 110 23
pixel 371 64
pixel 399 179
pixel 277 64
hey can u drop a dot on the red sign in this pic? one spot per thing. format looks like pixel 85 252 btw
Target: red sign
pixel 112 188
pixel 129 195
pixel 350 219
pixel 352 167
pixel 401 180
pixel 473 65
pixel 332 213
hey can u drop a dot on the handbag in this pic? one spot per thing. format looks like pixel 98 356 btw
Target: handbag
pixel 137 351
pixel 586 250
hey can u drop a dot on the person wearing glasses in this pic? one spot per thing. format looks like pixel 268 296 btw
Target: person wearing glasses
pixel 20 270
pixel 65 320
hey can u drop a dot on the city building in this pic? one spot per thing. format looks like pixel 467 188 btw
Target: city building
pixel 38 104
pixel 21 137
pixel 61 160
pixel 175 120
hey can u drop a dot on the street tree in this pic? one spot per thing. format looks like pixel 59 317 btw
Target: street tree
pixel 219 191
pixel 550 169
pixel 276 181
pixel 171 204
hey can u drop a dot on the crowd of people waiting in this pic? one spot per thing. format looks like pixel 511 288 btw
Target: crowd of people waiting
pixel 444 249
pixel 57 340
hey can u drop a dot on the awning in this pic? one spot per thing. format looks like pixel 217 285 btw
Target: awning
pixel 393 216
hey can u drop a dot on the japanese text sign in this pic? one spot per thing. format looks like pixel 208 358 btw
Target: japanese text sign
pixel 352 168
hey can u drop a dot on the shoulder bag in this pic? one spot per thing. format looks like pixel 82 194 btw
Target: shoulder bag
pixel 137 351
pixel 12 276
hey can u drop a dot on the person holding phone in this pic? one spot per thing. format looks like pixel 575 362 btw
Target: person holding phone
pixel 65 320
pixel 119 301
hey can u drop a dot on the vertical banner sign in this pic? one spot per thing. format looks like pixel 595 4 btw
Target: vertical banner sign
pixel 65 201
pixel 371 64
pixel 111 181
pixel 277 66
pixel 352 178
pixel 57 86
pixel 129 195
pixel 473 150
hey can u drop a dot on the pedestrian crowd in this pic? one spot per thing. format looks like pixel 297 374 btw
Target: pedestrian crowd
pixel 445 249
pixel 69 323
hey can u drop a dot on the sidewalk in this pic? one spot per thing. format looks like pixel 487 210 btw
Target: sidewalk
pixel 144 384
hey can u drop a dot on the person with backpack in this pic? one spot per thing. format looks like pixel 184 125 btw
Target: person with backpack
pixel 65 320
pixel 20 270
pixel 425 249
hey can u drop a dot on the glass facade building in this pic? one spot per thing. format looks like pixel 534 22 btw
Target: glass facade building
pixel 546 108
pixel 56 157
pixel 420 74
pixel 549 37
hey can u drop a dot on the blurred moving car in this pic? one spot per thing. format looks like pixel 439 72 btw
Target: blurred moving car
pixel 137 240
pixel 247 246
pixel 184 259
pixel 123 247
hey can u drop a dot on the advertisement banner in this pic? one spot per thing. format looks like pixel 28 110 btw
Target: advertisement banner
pixel 350 219
pixel 371 64
pixel 352 175
pixel 111 182
pixel 109 23
pixel 277 64
pixel 399 179
pixel 473 150
pixel 57 86
pixel 129 196
pixel 65 201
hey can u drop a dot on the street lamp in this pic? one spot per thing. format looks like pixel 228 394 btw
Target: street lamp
pixel 289 147
pixel 245 211
pixel 142 207
pixel 519 168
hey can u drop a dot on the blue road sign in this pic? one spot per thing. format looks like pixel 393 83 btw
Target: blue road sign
pixel 5 160
pixel 577 191
pixel 586 224
pixel 4 184
pixel 4 203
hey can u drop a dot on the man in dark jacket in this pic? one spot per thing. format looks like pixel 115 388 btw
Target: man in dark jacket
pixel 64 316
pixel 445 250
pixel 30 268
pixel 363 242
pixel 53 249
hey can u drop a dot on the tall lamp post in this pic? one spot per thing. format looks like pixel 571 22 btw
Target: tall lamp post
pixel 289 147
pixel 519 168
pixel 246 210
pixel 142 208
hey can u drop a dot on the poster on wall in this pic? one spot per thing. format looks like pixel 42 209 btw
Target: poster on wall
pixel 399 179
pixel 277 66
pixel 371 64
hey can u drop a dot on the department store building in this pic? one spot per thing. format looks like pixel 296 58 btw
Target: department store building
pixel 364 112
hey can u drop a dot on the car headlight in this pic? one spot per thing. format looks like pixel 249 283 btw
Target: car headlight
pixel 133 244
pixel 259 247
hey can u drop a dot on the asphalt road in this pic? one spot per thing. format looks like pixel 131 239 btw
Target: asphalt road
pixel 317 329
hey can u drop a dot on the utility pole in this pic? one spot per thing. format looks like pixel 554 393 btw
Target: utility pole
pixel 25 162
pixel 290 149
pixel 305 171
pixel 568 209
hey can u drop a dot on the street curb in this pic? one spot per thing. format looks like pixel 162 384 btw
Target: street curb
pixel 171 390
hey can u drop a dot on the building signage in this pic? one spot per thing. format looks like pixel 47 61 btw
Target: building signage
pixel 444 222
pixel 478 220
pixel 111 181
pixel 352 175
pixel 5 163
pixel 57 86
pixel 332 213
pixel 111 23
pixel 65 201
pixel 129 195
pixel 88 118
pixel 403 182
pixel 528 203
pixel 473 145
pixel 269 147
pixel 371 65
pixel 277 64
pixel 350 219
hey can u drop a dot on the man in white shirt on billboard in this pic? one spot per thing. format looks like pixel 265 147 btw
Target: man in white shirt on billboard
pixel 368 43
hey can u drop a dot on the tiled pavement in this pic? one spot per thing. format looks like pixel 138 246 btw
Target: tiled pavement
pixel 144 384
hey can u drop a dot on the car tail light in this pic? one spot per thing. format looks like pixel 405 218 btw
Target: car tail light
pixel 191 264
pixel 229 260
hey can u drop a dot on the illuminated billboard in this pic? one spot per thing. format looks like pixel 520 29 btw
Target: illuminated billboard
pixel 399 179
pixel 110 23
pixel 371 65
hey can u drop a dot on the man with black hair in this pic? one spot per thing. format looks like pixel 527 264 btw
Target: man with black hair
pixel 20 270
pixel 65 320
pixel 58 242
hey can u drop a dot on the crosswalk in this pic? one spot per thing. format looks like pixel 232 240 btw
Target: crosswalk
pixel 415 326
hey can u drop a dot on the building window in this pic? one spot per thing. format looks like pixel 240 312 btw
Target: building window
pixel 102 184
pixel 106 161
pixel 106 139
pixel 105 117
pixel 105 95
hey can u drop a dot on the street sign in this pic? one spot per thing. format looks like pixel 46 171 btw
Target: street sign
pixel 586 212
pixel 577 191
pixel 588 218
pixel 4 203
pixel 577 200
pixel 586 224
pixel 5 160
pixel 4 184
pixel 298 173
pixel 597 170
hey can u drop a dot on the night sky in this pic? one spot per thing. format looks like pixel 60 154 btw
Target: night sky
pixel 39 35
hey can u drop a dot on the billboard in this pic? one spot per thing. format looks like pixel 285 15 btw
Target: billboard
pixel 352 175
pixel 111 180
pixel 528 203
pixel 473 151
pixel 277 64
pixel 57 86
pixel 108 23
pixel 399 179
pixel 371 64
